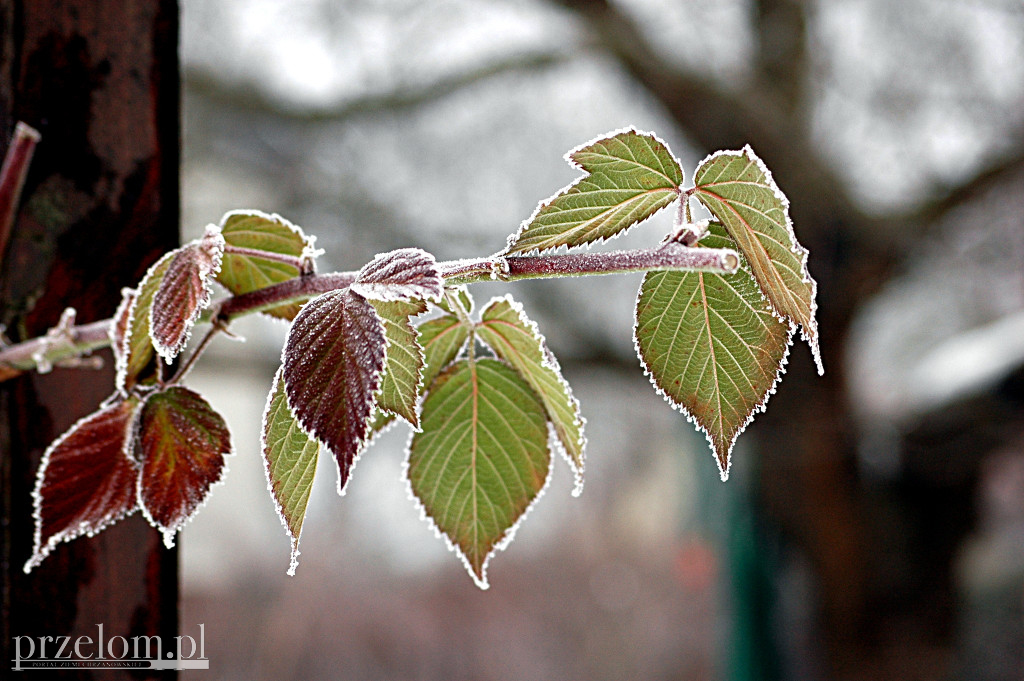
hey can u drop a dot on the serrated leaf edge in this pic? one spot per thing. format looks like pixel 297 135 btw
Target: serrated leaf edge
pixel 293 563
pixel 124 308
pixel 309 249
pixel 499 545
pixel 551 362
pixel 169 532
pixel 758 408
pixel 368 435
pixel 122 358
pixel 809 336
pixel 213 234
pixel 420 387
pixel 384 292
pixel 39 552
pixel 568 156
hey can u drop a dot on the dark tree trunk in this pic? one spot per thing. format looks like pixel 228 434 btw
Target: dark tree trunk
pixel 99 80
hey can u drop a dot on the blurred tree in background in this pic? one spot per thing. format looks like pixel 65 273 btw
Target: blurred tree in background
pixel 895 129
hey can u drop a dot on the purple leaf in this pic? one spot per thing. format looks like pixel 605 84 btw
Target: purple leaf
pixel 184 292
pixel 332 368
pixel 86 480
pixel 400 275
pixel 181 444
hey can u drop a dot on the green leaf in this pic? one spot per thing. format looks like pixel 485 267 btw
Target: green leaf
pixel 505 328
pixel 289 459
pixel 271 234
pixel 442 339
pixel 136 345
pixel 481 458
pixel 739 190
pixel 403 359
pixel 631 176
pixel 711 345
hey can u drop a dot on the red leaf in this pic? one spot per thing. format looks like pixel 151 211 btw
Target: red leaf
pixel 86 480
pixel 184 292
pixel 400 275
pixel 332 366
pixel 181 443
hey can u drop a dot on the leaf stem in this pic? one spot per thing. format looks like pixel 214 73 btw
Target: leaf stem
pixel 82 340
pixel 295 261
pixel 182 372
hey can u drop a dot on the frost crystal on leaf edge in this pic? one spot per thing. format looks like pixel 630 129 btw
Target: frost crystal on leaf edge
pixel 568 157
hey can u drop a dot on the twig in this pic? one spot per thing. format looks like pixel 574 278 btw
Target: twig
pixel 12 178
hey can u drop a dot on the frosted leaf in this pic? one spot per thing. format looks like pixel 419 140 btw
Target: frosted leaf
pixel 137 346
pixel 333 360
pixel 259 240
pixel 181 443
pixel 513 337
pixel 712 346
pixel 400 275
pixel 289 461
pixel 119 330
pixel 739 190
pixel 481 458
pixel 184 292
pixel 86 480
pixel 630 176
pixel 402 377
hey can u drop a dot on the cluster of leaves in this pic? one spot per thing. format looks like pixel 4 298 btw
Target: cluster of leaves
pixel 483 393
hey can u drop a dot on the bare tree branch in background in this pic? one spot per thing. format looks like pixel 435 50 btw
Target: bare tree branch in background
pixel 252 98
pixel 807 455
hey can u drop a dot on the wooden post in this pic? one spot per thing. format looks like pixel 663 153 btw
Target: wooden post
pixel 99 80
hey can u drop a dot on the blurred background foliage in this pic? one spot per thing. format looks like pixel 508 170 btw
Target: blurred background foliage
pixel 873 527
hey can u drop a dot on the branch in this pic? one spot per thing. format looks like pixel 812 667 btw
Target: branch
pixel 717 117
pixel 63 344
pixel 12 178
pixel 254 98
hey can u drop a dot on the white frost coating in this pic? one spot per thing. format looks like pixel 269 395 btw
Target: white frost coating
pixel 809 335
pixel 55 336
pixel 117 341
pixel 500 545
pixel 308 239
pixel 169 532
pixel 367 436
pixel 211 245
pixel 370 435
pixel 387 276
pixel 293 562
pixel 39 551
pixel 513 238
pixel 551 362
pixel 758 408
pixel 126 343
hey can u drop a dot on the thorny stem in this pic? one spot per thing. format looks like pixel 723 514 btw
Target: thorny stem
pixel 24 356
